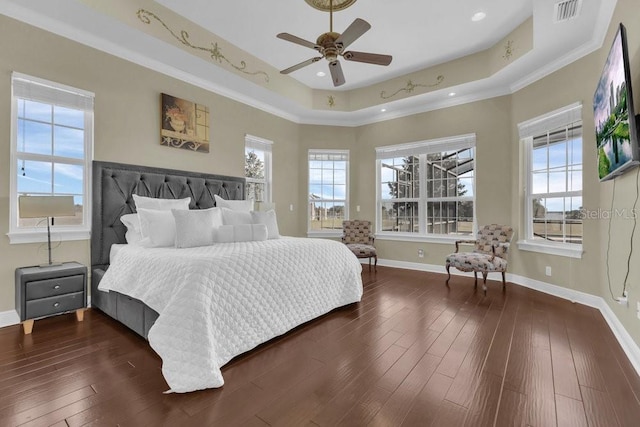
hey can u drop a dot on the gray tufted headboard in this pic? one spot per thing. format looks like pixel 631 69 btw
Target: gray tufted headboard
pixel 115 183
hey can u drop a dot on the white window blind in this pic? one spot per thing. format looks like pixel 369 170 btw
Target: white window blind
pixel 553 120
pixel 40 90
pixel 453 143
pixel 256 143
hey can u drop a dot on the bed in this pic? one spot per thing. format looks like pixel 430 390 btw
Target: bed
pixel 200 307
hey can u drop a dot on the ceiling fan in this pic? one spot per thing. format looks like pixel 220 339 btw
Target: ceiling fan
pixel 331 45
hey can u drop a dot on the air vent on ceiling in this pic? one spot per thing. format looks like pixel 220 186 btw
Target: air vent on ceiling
pixel 567 9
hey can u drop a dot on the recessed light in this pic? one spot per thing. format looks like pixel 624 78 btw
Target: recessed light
pixel 321 74
pixel 478 16
pixel 452 94
pixel 383 110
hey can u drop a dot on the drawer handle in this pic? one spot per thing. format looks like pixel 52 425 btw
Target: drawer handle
pixel 57 304
pixel 56 287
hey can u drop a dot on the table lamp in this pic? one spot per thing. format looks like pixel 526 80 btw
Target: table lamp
pixel 46 207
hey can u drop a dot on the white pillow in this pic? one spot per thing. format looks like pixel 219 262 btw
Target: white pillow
pixel 196 227
pixel 133 235
pixel 231 217
pixel 241 233
pixel 160 204
pixel 158 228
pixel 236 205
pixel 269 219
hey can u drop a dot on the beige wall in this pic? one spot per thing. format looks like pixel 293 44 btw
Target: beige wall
pixel 127 130
pixel 486 119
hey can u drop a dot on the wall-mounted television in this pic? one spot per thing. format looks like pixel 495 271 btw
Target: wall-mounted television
pixel 614 115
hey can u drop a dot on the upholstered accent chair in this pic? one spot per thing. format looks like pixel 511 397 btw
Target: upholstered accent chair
pixel 489 254
pixel 356 234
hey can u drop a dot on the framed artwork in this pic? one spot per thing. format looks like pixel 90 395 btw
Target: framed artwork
pixel 184 124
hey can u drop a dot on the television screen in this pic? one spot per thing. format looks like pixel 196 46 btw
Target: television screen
pixel 616 135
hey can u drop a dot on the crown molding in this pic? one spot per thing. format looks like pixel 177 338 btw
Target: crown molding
pixel 227 85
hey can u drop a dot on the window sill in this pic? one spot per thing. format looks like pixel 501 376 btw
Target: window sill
pixel 409 237
pixel 567 250
pixel 328 234
pixel 40 236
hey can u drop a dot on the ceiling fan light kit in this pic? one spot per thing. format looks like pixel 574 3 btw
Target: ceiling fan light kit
pixel 332 45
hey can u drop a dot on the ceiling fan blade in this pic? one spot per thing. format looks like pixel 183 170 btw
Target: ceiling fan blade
pixel 353 31
pixel 297 40
pixel 336 73
pixel 300 65
pixel 369 58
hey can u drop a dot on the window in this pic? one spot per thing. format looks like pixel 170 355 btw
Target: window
pixel 426 189
pixel 51 152
pixel 553 194
pixel 328 191
pixel 257 168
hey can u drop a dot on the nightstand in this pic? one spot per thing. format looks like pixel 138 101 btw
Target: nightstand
pixel 50 290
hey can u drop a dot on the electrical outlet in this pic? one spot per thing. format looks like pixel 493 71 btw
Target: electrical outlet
pixel 547 270
pixel 290 208
pixel 638 309
pixel 358 208
pixel 420 253
pixel 623 301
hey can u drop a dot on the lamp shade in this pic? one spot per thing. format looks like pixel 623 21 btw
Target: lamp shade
pixel 45 206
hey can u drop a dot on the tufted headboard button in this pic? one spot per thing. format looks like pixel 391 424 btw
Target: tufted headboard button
pixel 118 182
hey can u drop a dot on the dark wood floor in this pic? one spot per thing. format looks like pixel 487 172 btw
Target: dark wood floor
pixel 412 353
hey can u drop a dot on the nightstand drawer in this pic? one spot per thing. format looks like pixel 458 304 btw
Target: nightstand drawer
pixel 53 305
pixel 53 287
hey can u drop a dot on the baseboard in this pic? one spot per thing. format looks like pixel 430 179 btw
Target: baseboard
pixel 10 317
pixel 627 343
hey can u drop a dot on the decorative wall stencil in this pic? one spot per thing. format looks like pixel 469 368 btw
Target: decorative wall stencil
pixel 331 101
pixel 508 50
pixel 185 124
pixel 410 87
pixel 216 53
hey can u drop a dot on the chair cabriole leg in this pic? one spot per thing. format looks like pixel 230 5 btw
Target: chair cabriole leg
pixel 484 282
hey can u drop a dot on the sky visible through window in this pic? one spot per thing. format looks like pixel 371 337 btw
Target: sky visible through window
pixel 328 179
pixel 557 168
pixel 49 130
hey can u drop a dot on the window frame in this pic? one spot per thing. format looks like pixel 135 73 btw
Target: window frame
pixel 327 233
pixel 528 130
pixel 264 145
pixel 42 88
pixel 420 150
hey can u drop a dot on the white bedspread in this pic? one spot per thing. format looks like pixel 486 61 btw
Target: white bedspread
pixel 220 301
